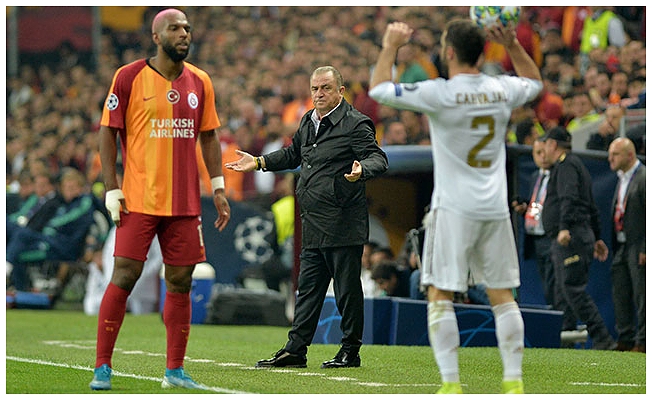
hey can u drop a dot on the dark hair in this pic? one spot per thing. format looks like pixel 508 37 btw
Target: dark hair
pixel 581 92
pixel 386 250
pixel 467 39
pixel 384 270
pixel 523 130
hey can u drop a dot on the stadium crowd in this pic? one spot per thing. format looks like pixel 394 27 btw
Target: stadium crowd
pixel 260 57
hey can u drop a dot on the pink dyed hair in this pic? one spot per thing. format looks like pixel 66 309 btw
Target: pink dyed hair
pixel 160 17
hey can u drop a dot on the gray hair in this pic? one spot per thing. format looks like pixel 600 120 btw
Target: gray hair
pixel 327 68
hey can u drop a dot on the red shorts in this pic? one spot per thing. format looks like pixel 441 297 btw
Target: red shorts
pixel 181 239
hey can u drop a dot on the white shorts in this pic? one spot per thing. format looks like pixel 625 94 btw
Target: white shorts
pixel 459 252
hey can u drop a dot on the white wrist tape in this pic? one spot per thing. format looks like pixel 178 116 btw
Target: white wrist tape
pixel 217 183
pixel 112 202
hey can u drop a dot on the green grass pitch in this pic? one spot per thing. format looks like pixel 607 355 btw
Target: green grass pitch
pixel 54 351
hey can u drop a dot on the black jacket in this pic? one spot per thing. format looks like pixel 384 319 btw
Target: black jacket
pixel 333 210
pixel 569 201
pixel 634 218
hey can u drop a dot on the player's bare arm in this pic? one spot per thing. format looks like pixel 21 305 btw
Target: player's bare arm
pixel 524 65
pixel 114 198
pixel 212 153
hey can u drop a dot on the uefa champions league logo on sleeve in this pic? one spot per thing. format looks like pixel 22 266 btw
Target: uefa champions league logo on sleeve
pixel 112 102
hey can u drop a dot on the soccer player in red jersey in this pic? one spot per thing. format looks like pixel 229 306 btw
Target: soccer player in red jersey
pixel 159 107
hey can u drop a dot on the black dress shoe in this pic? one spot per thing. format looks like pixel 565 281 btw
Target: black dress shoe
pixel 624 346
pixel 608 344
pixel 343 359
pixel 282 359
pixel 639 348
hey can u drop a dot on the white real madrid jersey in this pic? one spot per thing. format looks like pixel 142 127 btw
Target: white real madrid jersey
pixel 468 117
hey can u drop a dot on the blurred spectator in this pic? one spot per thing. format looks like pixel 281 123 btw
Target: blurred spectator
pixel 234 181
pixel 63 236
pixel 380 254
pixel 299 103
pixel 274 140
pixel 549 106
pixel 246 140
pixel 633 20
pixel 602 28
pixel 427 47
pixel 394 133
pixel 590 77
pixel 283 210
pixel 572 24
pixel 519 114
pixel 369 287
pixel 635 93
pixel 408 69
pixel 16 151
pixel 600 94
pixel 410 257
pixel 414 124
pixel 19 191
pixel 37 210
pixel 608 129
pixel 528 131
pixel 552 44
pixel 390 279
pixel 583 112
pixel 619 82
pixel 632 57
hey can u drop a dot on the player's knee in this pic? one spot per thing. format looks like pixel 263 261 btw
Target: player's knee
pixel 126 272
pixel 178 279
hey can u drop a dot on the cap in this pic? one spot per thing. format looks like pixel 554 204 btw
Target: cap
pixel 558 133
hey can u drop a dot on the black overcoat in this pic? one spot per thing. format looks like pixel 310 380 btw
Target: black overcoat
pixel 333 210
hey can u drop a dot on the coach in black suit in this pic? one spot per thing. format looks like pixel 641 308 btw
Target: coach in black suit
pixel 628 268
pixel 336 148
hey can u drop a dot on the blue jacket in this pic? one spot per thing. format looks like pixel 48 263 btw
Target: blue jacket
pixel 68 228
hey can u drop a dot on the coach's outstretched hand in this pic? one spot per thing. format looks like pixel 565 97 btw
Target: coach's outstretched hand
pixel 245 164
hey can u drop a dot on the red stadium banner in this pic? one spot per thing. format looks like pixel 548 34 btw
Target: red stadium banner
pixel 45 29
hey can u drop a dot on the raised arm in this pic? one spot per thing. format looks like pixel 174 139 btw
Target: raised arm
pixel 396 35
pixel 524 65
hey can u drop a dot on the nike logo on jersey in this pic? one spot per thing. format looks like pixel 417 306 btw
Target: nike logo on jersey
pixel 148 98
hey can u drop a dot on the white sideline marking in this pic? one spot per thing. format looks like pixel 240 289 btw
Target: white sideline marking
pixel 115 373
pixel 90 345
pixel 79 344
pixel 605 384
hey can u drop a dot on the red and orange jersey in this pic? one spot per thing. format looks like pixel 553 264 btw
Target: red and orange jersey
pixel 159 123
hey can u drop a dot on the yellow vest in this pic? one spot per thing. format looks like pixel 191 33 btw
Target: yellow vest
pixel 579 121
pixel 595 33
pixel 283 211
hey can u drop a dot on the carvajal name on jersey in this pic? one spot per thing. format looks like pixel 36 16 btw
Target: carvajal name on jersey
pixel 172 128
pixel 480 98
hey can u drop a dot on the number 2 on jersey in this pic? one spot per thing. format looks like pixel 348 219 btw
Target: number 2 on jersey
pixel 471 158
